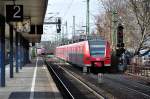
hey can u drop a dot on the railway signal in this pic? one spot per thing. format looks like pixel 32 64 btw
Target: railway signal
pixel 120 36
pixel 120 48
pixel 59 25
pixel 120 43
pixel 120 51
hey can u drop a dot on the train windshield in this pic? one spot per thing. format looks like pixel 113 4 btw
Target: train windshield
pixel 97 48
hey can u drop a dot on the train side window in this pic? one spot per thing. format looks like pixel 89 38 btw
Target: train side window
pixel 77 49
pixel 80 49
pixel 73 49
pixel 83 49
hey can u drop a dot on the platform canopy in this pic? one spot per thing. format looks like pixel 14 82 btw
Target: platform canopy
pixel 32 9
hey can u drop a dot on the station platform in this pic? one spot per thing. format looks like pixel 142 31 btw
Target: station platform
pixel 32 82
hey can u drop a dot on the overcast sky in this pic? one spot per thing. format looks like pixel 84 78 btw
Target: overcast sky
pixel 66 9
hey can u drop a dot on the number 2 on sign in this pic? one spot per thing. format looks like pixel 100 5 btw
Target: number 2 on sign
pixel 17 9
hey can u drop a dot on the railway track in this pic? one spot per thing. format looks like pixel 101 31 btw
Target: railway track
pixel 138 87
pixel 113 86
pixel 70 85
pixel 60 83
pixel 127 89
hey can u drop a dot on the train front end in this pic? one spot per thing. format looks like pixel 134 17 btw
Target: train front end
pixel 100 56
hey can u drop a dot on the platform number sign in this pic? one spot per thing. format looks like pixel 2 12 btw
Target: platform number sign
pixel 14 13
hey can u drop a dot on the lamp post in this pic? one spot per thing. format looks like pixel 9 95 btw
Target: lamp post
pixel 114 24
pixel 87 20
pixel 73 29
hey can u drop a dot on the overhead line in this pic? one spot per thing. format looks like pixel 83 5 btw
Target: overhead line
pixel 68 8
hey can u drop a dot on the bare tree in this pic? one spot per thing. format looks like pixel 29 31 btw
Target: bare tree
pixel 110 6
pixel 103 26
pixel 99 25
pixel 135 17
pixel 141 9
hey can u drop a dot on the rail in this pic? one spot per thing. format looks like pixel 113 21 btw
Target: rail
pixel 67 94
pixel 77 79
pixel 85 85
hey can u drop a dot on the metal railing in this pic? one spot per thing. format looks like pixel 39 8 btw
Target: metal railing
pixel 137 67
pixel 139 70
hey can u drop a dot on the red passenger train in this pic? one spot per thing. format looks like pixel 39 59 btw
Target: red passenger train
pixel 93 55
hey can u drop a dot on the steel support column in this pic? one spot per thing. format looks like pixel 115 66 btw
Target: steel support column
pixel 17 54
pixel 28 61
pixel 19 51
pixel 26 51
pixel 22 53
pixel 11 51
pixel 2 51
pixel 25 61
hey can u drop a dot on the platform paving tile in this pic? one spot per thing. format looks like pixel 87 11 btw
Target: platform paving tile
pixel 21 85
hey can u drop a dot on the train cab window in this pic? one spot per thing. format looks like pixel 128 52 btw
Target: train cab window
pixel 82 49
pixel 97 48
